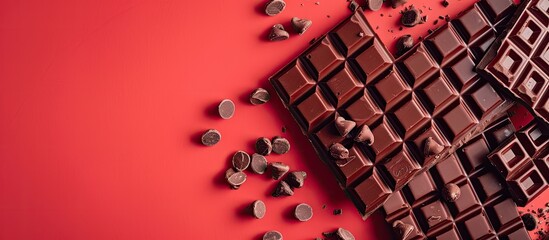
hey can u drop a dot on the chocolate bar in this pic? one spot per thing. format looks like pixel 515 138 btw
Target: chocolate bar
pixel 518 62
pixel 483 208
pixel 523 162
pixel 430 93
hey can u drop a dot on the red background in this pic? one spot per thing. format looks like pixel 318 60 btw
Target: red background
pixel 102 102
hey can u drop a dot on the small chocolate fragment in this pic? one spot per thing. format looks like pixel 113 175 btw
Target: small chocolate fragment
pixel 339 151
pixel 374 5
pixel 274 7
pixel 353 6
pixel 272 235
pixel 365 135
pixel 451 192
pixel 344 234
pixel 398 3
pixel 280 145
pixel 432 147
pixel 237 179
pixel 530 221
pixel 263 146
pixel 258 209
pixel 338 211
pixel 278 33
pixel 241 161
pixel 445 3
pixel 259 96
pixel 402 230
pixel 303 212
pixel 343 126
pixel 296 179
pixel 258 164
pixel 301 25
pixel 278 170
pixel 210 137
pixel 424 19
pixel 404 43
pixel 282 189
pixel 410 17
pixel 226 109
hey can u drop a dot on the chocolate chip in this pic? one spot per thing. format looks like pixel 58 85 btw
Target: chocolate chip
pixel 263 146
pixel 282 189
pixel 424 19
pixel 259 163
pixel 241 161
pixel 274 7
pixel 365 135
pixel 404 43
pixel 451 192
pixel 402 230
pixel 301 25
pixel 258 209
pixel 272 235
pixel 432 147
pixel 296 179
pixel 226 109
pixel 374 5
pixel 398 3
pixel 339 151
pixel 278 170
pixel 353 6
pixel 445 3
pixel 237 179
pixel 338 211
pixel 303 212
pixel 259 96
pixel 278 33
pixel 210 137
pixel 344 234
pixel 410 17
pixel 344 126
pixel 280 145
pixel 530 221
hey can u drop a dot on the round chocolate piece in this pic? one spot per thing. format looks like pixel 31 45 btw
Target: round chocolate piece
pixel 210 137
pixel 263 146
pixel 374 5
pixel 280 145
pixel 272 235
pixel 530 221
pixel 258 209
pixel 410 17
pixel 303 212
pixel 237 179
pixel 241 160
pixel 259 163
pixel 259 96
pixel 344 234
pixel 451 192
pixel 226 109
pixel 274 7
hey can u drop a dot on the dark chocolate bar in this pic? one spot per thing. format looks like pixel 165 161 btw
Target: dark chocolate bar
pixel 432 92
pixel 482 208
pixel 523 162
pixel 518 62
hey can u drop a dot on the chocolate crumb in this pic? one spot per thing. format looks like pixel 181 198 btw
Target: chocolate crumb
pixel 445 3
pixel 338 211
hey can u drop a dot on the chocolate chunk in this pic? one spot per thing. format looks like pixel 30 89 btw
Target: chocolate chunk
pixel 338 211
pixel 296 179
pixel 445 3
pixel 278 170
pixel 278 33
pixel 303 212
pixel 274 7
pixel 410 17
pixel 258 209
pixel 353 6
pixel 241 160
pixel 259 96
pixel 259 163
pixel 210 137
pixel 237 179
pixel 280 145
pixel 398 3
pixel 374 5
pixel 226 109
pixel 530 221
pixel 282 189
pixel 272 235
pixel 343 126
pixel 344 234
pixel 451 192
pixel 402 230
pixel 339 151
pixel 424 19
pixel 432 147
pixel 404 43
pixel 263 146
pixel 301 25
pixel 365 135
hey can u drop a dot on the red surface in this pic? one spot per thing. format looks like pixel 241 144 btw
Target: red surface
pixel 101 103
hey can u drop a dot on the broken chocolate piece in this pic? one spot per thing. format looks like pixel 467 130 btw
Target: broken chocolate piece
pixel 365 135
pixel 343 126
pixel 274 7
pixel 280 145
pixel 402 230
pixel 410 17
pixel 404 43
pixel 272 235
pixel 301 25
pixel 451 192
pixel 339 151
pixel 296 179
pixel 210 137
pixel 241 161
pixel 278 33
pixel 282 189
pixel 226 109
pixel 303 212
pixel 258 209
pixel 278 170
pixel 263 146
pixel 259 163
pixel 259 96
pixel 432 147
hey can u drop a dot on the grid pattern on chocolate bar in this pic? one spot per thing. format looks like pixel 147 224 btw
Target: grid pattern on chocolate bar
pixel 523 162
pixel 519 62
pixel 484 210
pixel 431 91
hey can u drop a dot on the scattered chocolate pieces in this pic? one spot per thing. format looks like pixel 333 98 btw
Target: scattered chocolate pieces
pixel 404 43
pixel 451 192
pixel 258 209
pixel 353 6
pixel 280 145
pixel 402 230
pixel 303 212
pixel 236 179
pixel 343 126
pixel 282 189
pixel 226 109
pixel 530 221
pixel 338 211
pixel 365 135
pixel 339 151
pixel 259 163
pixel 259 96
pixel 263 146
pixel 278 170
pixel 278 33
pixel 445 3
pixel 272 235
pixel 274 7
pixel 374 5
pixel 410 17
pixel 210 137
pixel 301 25
pixel 432 147
pixel 398 3
pixel 241 161
pixel 296 179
